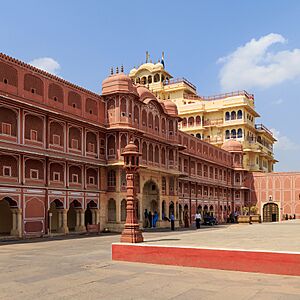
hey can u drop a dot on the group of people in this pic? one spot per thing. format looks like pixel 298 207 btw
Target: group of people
pixel 233 217
pixel 150 219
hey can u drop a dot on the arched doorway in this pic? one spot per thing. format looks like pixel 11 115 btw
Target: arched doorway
pixel 211 210
pixel 270 212
pixel 72 215
pixel 54 220
pixel 205 210
pixel 150 196
pixel 6 222
pixel 123 210
pixel 186 216
pixel 111 210
pixel 180 215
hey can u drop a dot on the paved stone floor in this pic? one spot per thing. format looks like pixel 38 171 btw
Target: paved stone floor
pixel 81 268
pixel 283 236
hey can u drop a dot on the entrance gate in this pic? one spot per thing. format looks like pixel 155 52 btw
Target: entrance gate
pixel 270 212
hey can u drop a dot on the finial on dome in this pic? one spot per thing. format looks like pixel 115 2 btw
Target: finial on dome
pixel 117 70
pixel 122 69
pixel 111 71
pixel 147 56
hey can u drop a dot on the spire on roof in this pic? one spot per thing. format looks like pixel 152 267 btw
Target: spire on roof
pixel 163 58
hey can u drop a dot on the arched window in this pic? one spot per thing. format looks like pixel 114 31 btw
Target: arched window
pixel 233 115
pixel 156 78
pixel 239 114
pixel 111 207
pixel 123 210
pixel 191 121
pixel 144 118
pixel 123 142
pixel 150 152
pixel 136 115
pixel 156 124
pixel 149 79
pixel 240 133
pixel 198 120
pixel 171 129
pixel 144 151
pixel 237 178
pixel 198 135
pixel 111 146
pixel 143 80
pixel 227 116
pixel 184 122
pixel 171 156
pixel 233 133
pixel 163 126
pixel 123 107
pixel 156 156
pixel 111 179
pixel 137 80
pixel 227 134
pixel 163 156
pixel 150 120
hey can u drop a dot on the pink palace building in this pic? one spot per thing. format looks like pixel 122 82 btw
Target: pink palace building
pixel 61 166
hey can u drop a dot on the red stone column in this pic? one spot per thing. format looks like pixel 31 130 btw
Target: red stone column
pixel 131 232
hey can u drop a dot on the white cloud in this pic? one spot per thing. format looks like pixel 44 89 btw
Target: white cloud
pixel 278 101
pixel 255 65
pixel 47 64
pixel 284 142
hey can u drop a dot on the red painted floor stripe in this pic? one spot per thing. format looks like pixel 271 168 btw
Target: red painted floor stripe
pixel 246 261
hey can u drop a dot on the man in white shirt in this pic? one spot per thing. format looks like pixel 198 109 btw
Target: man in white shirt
pixel 198 219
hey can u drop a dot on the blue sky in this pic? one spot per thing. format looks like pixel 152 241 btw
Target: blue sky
pixel 218 45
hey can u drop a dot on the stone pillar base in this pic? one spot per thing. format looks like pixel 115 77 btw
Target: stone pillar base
pixel 64 230
pixel 80 228
pixel 15 232
pixel 132 234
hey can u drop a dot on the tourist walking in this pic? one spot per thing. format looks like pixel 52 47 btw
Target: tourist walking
pixel 172 218
pixel 198 220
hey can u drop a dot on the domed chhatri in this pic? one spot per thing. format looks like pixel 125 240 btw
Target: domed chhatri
pixel 144 93
pixel 170 107
pixel 232 146
pixel 131 148
pixel 118 83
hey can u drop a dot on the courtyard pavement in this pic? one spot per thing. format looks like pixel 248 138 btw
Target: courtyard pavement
pixel 81 268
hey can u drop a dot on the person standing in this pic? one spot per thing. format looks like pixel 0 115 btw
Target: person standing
pixel 150 219
pixel 146 218
pixel 186 220
pixel 198 220
pixel 155 218
pixel 172 218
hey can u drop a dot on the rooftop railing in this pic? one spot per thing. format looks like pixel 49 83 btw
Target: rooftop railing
pixel 263 127
pixel 179 80
pixel 219 96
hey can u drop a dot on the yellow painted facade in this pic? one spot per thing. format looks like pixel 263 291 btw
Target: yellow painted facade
pixel 214 119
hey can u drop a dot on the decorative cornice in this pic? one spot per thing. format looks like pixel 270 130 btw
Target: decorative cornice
pixel 46 74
